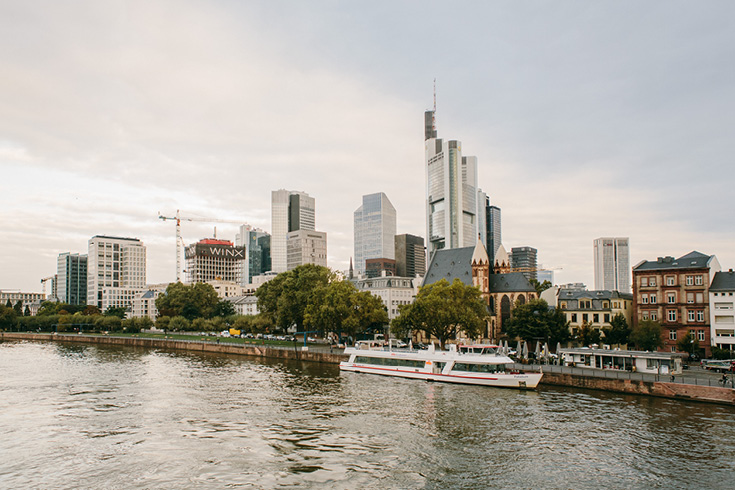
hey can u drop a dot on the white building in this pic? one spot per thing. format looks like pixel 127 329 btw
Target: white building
pixel 393 291
pixel 144 304
pixel 375 230
pixel 116 271
pixel 245 305
pixel 306 247
pixel 290 211
pixel 612 264
pixel 722 310
pixel 451 192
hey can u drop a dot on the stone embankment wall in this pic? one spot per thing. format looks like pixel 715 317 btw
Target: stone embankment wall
pixel 711 394
pixel 212 347
pixel 667 390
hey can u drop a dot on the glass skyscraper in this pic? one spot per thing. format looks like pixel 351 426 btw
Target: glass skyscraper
pixel 612 264
pixel 375 230
pixel 290 211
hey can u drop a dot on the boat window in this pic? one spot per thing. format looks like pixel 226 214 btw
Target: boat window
pixel 389 361
pixel 478 368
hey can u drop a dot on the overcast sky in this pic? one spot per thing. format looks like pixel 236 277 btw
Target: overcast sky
pixel 588 119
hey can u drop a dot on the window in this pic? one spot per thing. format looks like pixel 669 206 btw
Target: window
pixel 700 335
pixel 700 316
pixel 644 299
pixel 690 298
pixel 654 316
pixel 607 317
pixel 672 334
pixel 671 315
pixel 698 280
pixel 690 316
pixel 670 280
pixel 644 281
pixel 651 281
pixel 574 318
pixel 596 318
pixel 671 298
pixel 653 299
pixel 585 317
pixel 563 305
pixel 690 280
pixel 645 315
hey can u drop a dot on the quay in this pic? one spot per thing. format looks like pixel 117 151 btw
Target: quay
pixel 682 387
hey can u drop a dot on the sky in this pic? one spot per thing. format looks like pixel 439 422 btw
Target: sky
pixel 588 119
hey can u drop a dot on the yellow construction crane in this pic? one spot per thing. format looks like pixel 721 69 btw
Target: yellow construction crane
pixel 180 242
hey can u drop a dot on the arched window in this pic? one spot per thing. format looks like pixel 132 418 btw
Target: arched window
pixel 521 300
pixel 504 309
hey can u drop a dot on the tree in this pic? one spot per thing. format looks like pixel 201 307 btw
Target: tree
pixel 27 311
pixel 179 323
pixel 688 343
pixel 340 307
pixel 7 317
pixel 534 321
pixel 619 331
pixel 647 335
pixel 540 286
pixel 118 311
pixel 223 308
pixel 284 299
pixel 190 301
pixel 91 310
pixel 442 310
pixel 588 335
pixel 18 307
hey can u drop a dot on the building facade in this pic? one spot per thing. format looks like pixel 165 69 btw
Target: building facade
pixel 722 310
pixel 393 291
pixel 380 267
pixel 290 211
pixel 675 293
pixel 211 259
pixel 116 271
pixel 451 192
pixel 494 235
pixel 612 264
pixel 525 261
pixel 306 247
pixel 593 308
pixel 410 256
pixel 257 245
pixel 71 278
pixel 375 230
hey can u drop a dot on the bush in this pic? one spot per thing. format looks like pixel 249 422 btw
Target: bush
pixel 179 323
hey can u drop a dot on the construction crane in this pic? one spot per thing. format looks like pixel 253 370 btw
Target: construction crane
pixel 180 241
pixel 43 283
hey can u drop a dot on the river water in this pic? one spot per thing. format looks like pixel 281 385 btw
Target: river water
pixel 79 416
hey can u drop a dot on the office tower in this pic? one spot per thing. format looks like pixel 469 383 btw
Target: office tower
pixel 612 264
pixel 257 245
pixel 375 230
pixel 211 259
pixel 410 256
pixel 523 259
pixel 290 211
pixel 451 192
pixel 482 199
pixel 71 278
pixel 380 267
pixel 116 271
pixel 494 236
pixel 306 247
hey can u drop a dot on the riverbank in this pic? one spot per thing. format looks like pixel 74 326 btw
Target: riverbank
pixel 680 391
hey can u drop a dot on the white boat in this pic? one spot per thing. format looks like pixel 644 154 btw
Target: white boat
pixel 473 364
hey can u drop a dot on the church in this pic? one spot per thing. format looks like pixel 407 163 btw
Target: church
pixel 500 287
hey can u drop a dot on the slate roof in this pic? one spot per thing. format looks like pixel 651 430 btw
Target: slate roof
pixel 723 281
pixel 450 264
pixel 514 282
pixel 149 294
pixel 692 260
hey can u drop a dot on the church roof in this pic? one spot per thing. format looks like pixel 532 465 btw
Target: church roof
pixel 501 256
pixel 512 282
pixel 451 264
pixel 479 256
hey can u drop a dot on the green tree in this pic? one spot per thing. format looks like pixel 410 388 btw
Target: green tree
pixel 179 323
pixel 8 317
pixel 9 304
pixel 340 307
pixel 223 308
pixel 618 332
pixel 540 286
pixel 588 335
pixel 118 311
pixel 534 320
pixel 688 343
pixel 27 311
pixel 442 310
pixel 91 310
pixel 284 299
pixel 190 301
pixel 18 307
pixel 647 335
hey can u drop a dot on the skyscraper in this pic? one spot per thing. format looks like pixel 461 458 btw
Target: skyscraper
pixel 612 264
pixel 375 230
pixel 71 278
pixel 524 259
pixel 493 233
pixel 116 271
pixel 451 191
pixel 257 245
pixel 410 256
pixel 290 211
pixel 211 259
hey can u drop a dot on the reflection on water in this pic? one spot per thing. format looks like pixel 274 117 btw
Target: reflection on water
pixel 100 417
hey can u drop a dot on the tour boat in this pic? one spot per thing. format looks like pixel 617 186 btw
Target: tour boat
pixel 484 365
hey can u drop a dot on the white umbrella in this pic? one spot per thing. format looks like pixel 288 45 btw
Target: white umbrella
pixel 538 349
pixel 525 349
pixel 518 348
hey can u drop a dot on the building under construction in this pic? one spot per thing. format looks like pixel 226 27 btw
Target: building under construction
pixel 211 259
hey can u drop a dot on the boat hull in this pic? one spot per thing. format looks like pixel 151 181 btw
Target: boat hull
pixel 499 380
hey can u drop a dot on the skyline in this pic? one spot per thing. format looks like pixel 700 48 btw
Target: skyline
pixel 610 119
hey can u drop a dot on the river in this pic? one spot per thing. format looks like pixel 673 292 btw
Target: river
pixel 80 416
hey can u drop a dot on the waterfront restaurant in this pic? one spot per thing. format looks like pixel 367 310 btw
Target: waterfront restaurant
pixel 623 360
